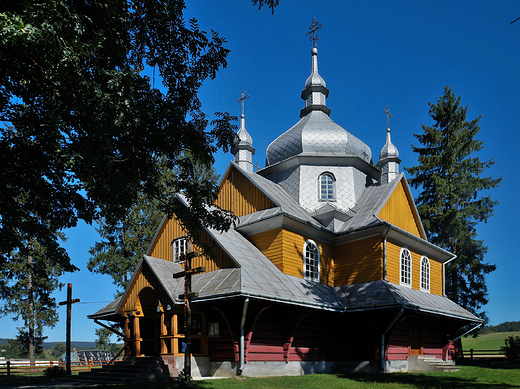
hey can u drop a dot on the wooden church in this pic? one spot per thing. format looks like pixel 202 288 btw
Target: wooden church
pixel 328 267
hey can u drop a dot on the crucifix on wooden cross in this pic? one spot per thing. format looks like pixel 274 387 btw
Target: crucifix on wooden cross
pixel 389 115
pixel 188 295
pixel 242 99
pixel 68 303
pixel 313 28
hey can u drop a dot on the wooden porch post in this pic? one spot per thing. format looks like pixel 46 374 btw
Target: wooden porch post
pixel 137 337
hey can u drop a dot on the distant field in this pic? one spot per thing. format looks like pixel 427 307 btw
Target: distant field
pixel 487 342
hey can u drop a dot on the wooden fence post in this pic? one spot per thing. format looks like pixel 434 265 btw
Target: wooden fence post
pixel 471 354
pixel 8 368
pixel 90 365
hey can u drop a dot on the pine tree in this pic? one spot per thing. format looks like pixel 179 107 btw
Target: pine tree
pixel 26 285
pixel 450 201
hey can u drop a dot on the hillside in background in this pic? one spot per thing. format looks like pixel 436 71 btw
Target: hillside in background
pixel 490 341
pixel 507 326
pixel 50 345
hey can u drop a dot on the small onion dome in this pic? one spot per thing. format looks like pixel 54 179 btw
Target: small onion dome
pixel 388 150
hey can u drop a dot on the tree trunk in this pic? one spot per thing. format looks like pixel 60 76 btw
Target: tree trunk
pixel 30 297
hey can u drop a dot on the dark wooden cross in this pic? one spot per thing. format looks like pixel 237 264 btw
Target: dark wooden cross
pixel 188 295
pixel 69 303
pixel 389 115
pixel 242 99
pixel 313 28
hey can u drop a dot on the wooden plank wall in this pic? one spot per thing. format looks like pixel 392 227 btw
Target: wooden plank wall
pixel 240 196
pixel 393 252
pixel 143 279
pixel 285 249
pixel 172 229
pixel 398 210
pixel 359 261
pixel 270 243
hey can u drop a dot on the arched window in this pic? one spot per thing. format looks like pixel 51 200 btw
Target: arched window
pixel 406 267
pixel 311 261
pixel 327 190
pixel 425 274
pixel 179 249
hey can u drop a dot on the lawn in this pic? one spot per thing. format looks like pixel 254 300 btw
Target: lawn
pixel 476 375
pixel 491 341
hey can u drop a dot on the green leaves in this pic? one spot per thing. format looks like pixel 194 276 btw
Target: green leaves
pixel 449 201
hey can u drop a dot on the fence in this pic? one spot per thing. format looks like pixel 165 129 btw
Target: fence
pixel 25 367
pixel 475 354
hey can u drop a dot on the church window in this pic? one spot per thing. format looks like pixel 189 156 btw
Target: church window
pixel 311 261
pixel 327 183
pixel 425 274
pixel 406 267
pixel 179 249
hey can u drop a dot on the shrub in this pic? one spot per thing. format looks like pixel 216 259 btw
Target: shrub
pixel 55 372
pixel 512 347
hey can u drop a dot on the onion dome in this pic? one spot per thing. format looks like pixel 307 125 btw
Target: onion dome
pixel 388 150
pixel 243 149
pixel 316 133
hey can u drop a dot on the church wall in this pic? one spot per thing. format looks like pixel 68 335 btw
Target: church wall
pixel 346 183
pixel 270 243
pixel 240 196
pixel 143 279
pixel 293 256
pixel 285 249
pixel 359 261
pixel 171 230
pixel 393 252
pixel 398 210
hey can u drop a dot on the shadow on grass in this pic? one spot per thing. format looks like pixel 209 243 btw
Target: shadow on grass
pixel 491 363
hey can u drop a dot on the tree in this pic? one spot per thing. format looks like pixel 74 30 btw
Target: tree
pixel 103 339
pixel 125 241
pixel 33 275
pixel 450 201
pixel 83 127
pixel 58 350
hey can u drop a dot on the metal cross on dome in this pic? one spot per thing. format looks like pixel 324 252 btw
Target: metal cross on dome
pixel 242 99
pixel 313 28
pixel 389 115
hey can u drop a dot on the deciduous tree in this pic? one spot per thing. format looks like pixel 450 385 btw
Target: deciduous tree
pixel 453 196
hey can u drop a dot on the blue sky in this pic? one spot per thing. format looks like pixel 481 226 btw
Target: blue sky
pixel 371 54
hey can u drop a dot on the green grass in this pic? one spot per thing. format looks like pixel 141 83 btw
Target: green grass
pixel 491 341
pixel 475 375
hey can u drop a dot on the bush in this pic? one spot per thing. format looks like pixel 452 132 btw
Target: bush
pixel 512 347
pixel 55 372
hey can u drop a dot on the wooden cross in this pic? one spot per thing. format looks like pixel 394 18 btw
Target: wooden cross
pixel 242 99
pixel 314 27
pixel 389 115
pixel 69 303
pixel 188 295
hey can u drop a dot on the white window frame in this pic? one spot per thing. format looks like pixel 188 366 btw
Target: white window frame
pixel 332 184
pixel 405 267
pixel 311 264
pixel 425 274
pixel 179 247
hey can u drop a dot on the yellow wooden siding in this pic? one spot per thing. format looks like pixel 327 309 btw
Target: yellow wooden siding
pixel 359 261
pixel 393 252
pixel 399 211
pixel 270 243
pixel 172 229
pixel 285 249
pixel 435 277
pixel 238 195
pixel 144 278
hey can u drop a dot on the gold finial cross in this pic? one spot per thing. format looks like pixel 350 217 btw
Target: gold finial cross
pixel 389 115
pixel 242 99
pixel 313 28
